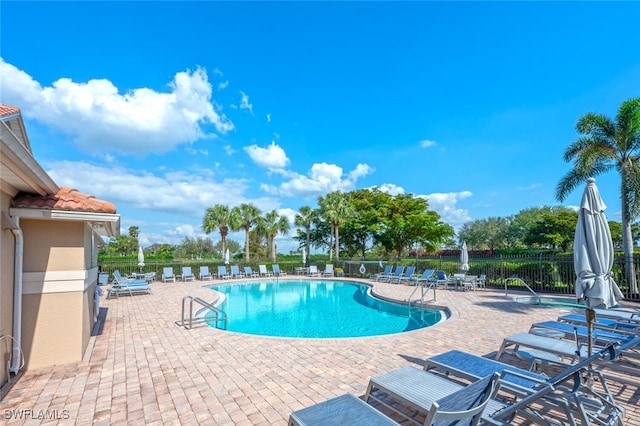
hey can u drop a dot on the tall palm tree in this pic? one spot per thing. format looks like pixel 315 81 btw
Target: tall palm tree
pixel 223 219
pixel 610 145
pixel 304 219
pixel 336 208
pixel 270 226
pixel 248 214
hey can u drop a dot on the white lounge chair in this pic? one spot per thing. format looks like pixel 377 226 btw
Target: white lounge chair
pixel 263 271
pixel 313 271
pixel 328 270
pixel 205 274
pixel 167 275
pixel 187 275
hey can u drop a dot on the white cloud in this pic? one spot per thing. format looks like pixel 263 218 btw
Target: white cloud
pixel 229 150
pixel 391 188
pixel 360 171
pixel 427 143
pixel 530 187
pixel 321 179
pixel 185 193
pixel 445 205
pixel 268 118
pixel 272 157
pixel 101 119
pixel 244 102
pixel 223 85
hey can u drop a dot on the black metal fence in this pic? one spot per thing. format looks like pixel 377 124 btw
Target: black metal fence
pixel 544 273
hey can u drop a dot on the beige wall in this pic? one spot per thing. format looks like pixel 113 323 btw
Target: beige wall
pixel 7 256
pixel 53 245
pixel 58 289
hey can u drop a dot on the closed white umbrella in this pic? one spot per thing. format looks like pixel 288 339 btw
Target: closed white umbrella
pixel 593 256
pixel 226 257
pixel 464 257
pixel 140 257
pixel 304 256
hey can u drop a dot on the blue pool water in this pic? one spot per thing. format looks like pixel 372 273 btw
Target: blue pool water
pixel 316 308
pixel 550 301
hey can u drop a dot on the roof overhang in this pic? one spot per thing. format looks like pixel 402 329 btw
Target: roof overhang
pixel 103 224
pixel 19 168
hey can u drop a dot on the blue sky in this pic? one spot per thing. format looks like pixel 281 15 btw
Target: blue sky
pixel 168 108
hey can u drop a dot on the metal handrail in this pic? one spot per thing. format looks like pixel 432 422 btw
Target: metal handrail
pixel 219 316
pixel 506 283
pixel 422 287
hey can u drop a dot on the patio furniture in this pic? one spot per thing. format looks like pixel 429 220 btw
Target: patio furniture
pixel 167 275
pixel 235 272
pixel 248 272
pixel 204 273
pixel 222 272
pixel 187 275
pixel 417 390
pixel 342 410
pixel 263 271
pixel 383 274
pixel 328 270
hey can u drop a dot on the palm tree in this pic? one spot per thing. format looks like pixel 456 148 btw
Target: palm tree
pixel 249 215
pixel 304 219
pixel 336 208
pixel 607 145
pixel 222 218
pixel 270 225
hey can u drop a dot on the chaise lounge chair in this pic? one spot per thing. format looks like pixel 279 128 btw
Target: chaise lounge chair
pixel 205 274
pixel 328 270
pixel 276 270
pixel 235 272
pixel 263 271
pixel 222 272
pixel 565 391
pixel 167 275
pixel 187 275
pixel 426 276
pixel 396 275
pixel 452 406
pixel 121 286
pixel 384 274
pixel 313 271
pixel 408 274
pixel 248 272
pixel 418 391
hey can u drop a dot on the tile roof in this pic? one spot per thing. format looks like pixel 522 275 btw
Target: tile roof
pixel 66 199
pixel 8 110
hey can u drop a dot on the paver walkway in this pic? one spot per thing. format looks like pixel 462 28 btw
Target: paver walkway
pixel 144 369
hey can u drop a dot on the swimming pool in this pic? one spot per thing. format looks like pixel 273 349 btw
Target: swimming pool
pixel 550 301
pixel 316 308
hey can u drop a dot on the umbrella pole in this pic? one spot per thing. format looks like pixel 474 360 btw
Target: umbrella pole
pixel 591 317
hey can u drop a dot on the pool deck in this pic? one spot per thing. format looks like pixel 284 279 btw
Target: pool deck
pixel 142 368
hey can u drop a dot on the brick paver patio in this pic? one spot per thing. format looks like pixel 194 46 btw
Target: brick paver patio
pixel 142 368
